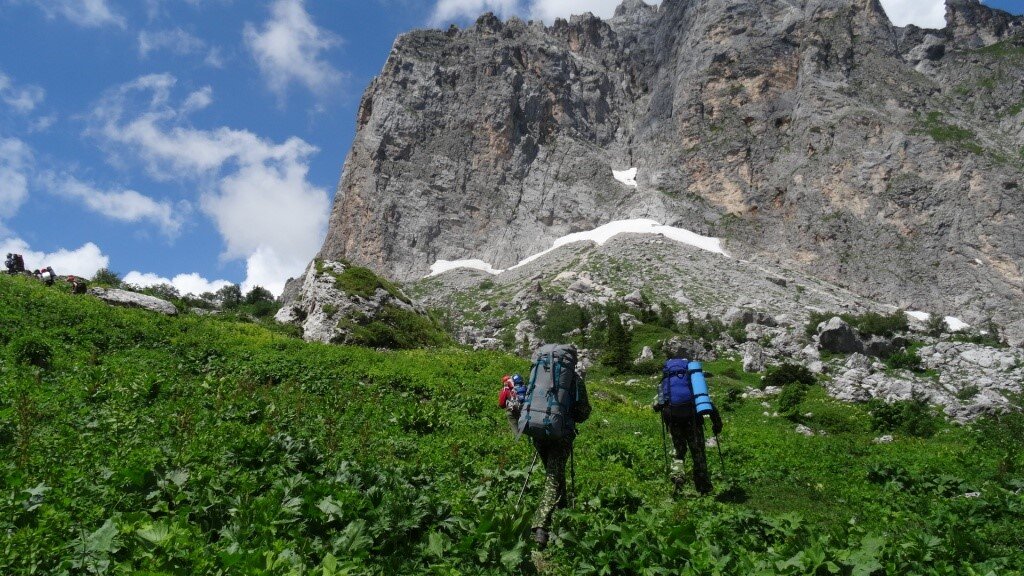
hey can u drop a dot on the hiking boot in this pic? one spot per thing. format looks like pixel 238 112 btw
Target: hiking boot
pixel 540 536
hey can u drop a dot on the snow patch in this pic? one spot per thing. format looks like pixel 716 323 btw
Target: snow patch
pixel 627 177
pixel 956 324
pixel 917 314
pixel 598 236
pixel 442 266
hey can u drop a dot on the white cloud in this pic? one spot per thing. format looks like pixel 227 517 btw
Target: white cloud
pixel 289 49
pixel 448 10
pixel 23 99
pixel 923 13
pixel 548 10
pixel 256 191
pixel 122 205
pixel 15 162
pixel 178 42
pixel 83 261
pixel 85 13
pixel 184 283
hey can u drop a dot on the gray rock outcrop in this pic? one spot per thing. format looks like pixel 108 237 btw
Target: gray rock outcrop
pixel 127 299
pixel 835 335
pixel 327 313
pixel 814 135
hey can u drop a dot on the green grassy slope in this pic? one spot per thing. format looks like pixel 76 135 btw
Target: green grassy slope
pixel 193 445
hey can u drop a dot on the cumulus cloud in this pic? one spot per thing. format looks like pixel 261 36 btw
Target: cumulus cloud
pixel 548 10
pixel 448 10
pixel 923 13
pixel 15 162
pixel 83 261
pixel 289 48
pixel 178 42
pixel 84 13
pixel 122 205
pixel 256 191
pixel 22 99
pixel 185 284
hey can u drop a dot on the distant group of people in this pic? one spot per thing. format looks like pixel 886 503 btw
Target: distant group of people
pixel 548 407
pixel 15 264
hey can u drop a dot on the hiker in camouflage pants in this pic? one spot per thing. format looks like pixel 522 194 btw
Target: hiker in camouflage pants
pixel 554 454
pixel 687 431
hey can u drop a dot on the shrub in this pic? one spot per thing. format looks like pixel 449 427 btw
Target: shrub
pixel 667 316
pixel 362 282
pixel 868 324
pixel 1003 433
pixel 936 325
pixel 793 393
pixel 912 417
pixel 31 350
pixel 398 328
pixel 617 341
pixel 786 374
pixel 562 318
pixel 647 367
pixel 904 360
pixel 967 392
pixel 106 277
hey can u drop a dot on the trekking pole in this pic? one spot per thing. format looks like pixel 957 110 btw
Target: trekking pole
pixel 572 476
pixel 525 483
pixel 718 444
pixel 664 448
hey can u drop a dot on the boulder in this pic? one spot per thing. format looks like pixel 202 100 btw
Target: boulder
pixel 677 347
pixel 127 299
pixel 646 355
pixel 838 336
pixel 748 316
pixel 754 357
pixel 804 430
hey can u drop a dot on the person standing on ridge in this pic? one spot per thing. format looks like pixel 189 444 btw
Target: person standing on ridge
pixel 682 405
pixel 556 401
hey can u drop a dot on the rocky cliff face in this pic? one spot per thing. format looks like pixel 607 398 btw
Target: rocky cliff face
pixel 810 133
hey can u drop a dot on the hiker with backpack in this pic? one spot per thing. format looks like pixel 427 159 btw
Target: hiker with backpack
pixel 513 392
pixel 555 401
pixel 683 401
pixel 15 263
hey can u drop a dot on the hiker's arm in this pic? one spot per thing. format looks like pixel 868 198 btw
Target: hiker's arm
pixel 716 421
pixel 582 407
pixel 503 398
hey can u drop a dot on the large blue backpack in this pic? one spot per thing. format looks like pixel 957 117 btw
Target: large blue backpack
pixel 551 394
pixel 676 392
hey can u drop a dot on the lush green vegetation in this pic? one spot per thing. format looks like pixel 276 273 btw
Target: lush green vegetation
pixel 868 323
pixel 132 443
pixel 360 281
pixel 944 133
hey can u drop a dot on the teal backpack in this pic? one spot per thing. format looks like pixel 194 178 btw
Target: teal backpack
pixel 551 393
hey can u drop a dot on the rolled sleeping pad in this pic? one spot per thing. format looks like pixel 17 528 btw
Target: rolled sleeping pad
pixel 700 388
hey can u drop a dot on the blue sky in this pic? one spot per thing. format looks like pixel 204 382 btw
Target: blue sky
pixel 200 141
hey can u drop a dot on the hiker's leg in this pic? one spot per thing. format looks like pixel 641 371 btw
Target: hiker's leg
pixel 552 455
pixel 701 480
pixel 678 433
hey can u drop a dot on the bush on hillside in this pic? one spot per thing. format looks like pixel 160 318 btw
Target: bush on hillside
pixel 562 318
pixel 913 417
pixel 617 341
pixel 786 374
pixel 106 277
pixel 904 360
pixel 31 350
pixel 793 393
pixel 868 324
pixel 397 328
